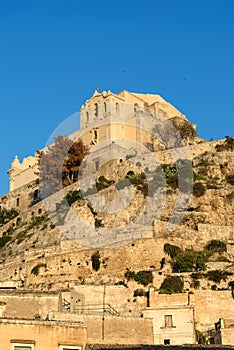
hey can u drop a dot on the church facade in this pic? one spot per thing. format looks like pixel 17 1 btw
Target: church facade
pixel 103 118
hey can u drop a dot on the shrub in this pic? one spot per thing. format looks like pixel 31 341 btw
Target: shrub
pixel 129 274
pixel 188 261
pixel 212 185
pixel 222 258
pixel 197 177
pixel 184 262
pixel 199 189
pixel 73 196
pixel 200 262
pixel 37 221
pixel 98 223
pixel 121 283
pixel 216 246
pixel 130 173
pixel 201 338
pixel 196 284
pixel 171 175
pixel 196 275
pixel 137 180
pixel 95 258
pixel 217 276
pixel 171 284
pixel 10 229
pixel 227 145
pixel 139 293
pixel 103 183
pixel 35 270
pixel 4 240
pixel 7 215
pixel 171 250
pixel 230 179
pixel 229 142
pixel 143 277
pixel 184 127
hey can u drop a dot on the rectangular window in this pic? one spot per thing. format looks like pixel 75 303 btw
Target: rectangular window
pixel 22 346
pixel 168 321
pixel 70 347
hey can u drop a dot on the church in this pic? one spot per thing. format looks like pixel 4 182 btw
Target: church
pixel 107 117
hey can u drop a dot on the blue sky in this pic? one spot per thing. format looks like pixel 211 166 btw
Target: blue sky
pixel 53 54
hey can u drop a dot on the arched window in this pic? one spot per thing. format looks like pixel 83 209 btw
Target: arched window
pixel 117 107
pixel 105 107
pixel 17 202
pixel 136 107
pixel 96 110
pixel 87 117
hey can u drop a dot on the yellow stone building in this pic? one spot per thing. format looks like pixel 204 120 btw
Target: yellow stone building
pixel 106 117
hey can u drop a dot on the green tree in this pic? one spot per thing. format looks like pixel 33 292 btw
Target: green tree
pixel 184 262
pixel 171 284
pixel 144 277
pixel 217 276
pixel 188 261
pixel 171 250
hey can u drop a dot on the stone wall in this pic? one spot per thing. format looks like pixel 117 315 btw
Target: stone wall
pixel 223 233
pixel 44 334
pixel 227 336
pixel 74 263
pixel 27 305
pixel 211 306
pixel 114 330
pixel 20 199
pixel 117 300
